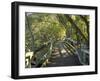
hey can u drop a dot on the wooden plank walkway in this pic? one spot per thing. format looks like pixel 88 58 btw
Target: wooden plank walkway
pixel 63 60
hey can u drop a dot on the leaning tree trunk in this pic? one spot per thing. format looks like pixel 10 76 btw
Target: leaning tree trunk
pixel 76 27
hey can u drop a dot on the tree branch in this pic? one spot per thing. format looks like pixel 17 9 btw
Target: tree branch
pixel 76 27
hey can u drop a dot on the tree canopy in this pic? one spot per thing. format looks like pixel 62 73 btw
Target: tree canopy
pixel 45 31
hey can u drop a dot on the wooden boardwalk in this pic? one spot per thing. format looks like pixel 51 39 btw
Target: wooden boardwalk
pixel 63 60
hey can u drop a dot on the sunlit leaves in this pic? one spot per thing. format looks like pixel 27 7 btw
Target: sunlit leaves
pixel 54 28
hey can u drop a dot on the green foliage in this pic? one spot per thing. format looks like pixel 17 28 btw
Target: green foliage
pixel 44 28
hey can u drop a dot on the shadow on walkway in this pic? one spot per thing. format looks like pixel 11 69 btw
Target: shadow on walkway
pixel 71 60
